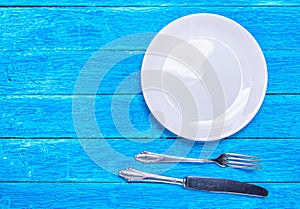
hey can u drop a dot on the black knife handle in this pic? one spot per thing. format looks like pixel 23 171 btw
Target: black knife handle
pixel 223 185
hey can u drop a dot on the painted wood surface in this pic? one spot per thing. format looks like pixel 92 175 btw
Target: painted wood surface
pixel 44 46
pixel 56 72
pixel 51 116
pixel 159 3
pixel 64 160
pixel 101 195
pixel 34 29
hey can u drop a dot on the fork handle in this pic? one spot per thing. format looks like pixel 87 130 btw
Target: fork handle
pixel 150 157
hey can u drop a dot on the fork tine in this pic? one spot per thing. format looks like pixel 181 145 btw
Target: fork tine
pixel 244 159
pixel 245 167
pixel 241 163
pixel 241 155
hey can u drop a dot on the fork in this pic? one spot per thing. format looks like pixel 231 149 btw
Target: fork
pixel 228 160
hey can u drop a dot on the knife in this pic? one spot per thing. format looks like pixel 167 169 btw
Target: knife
pixel 197 183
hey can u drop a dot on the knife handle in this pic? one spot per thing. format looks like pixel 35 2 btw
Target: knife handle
pixel 223 185
pixel 133 175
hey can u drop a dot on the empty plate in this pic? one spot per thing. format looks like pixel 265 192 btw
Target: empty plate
pixel 204 77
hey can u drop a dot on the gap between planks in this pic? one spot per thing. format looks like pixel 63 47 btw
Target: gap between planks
pixel 144 6
pixel 122 183
pixel 145 138
pixel 112 94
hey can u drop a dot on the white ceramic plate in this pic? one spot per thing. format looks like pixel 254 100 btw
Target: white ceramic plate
pixel 204 77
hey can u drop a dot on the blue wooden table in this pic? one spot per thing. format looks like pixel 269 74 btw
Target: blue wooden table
pixel 44 164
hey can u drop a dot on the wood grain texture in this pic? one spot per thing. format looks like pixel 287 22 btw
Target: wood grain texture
pixel 51 116
pixel 55 73
pixel 156 3
pixel 139 196
pixel 64 160
pixel 44 46
pixel 91 28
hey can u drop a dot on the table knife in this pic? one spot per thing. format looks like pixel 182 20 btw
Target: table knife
pixel 197 183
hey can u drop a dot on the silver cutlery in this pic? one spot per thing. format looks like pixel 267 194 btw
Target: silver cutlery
pixel 228 160
pixel 197 183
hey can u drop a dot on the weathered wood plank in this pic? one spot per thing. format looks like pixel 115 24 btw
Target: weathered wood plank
pixel 51 116
pixel 149 3
pixel 139 195
pixel 48 33
pixel 64 160
pixel 55 73
pixel 91 28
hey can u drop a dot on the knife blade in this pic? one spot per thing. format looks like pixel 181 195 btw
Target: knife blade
pixel 197 183
pixel 223 186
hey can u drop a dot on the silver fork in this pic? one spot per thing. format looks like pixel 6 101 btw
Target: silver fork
pixel 228 160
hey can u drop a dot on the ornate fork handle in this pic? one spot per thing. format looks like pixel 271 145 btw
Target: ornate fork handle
pixel 150 157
